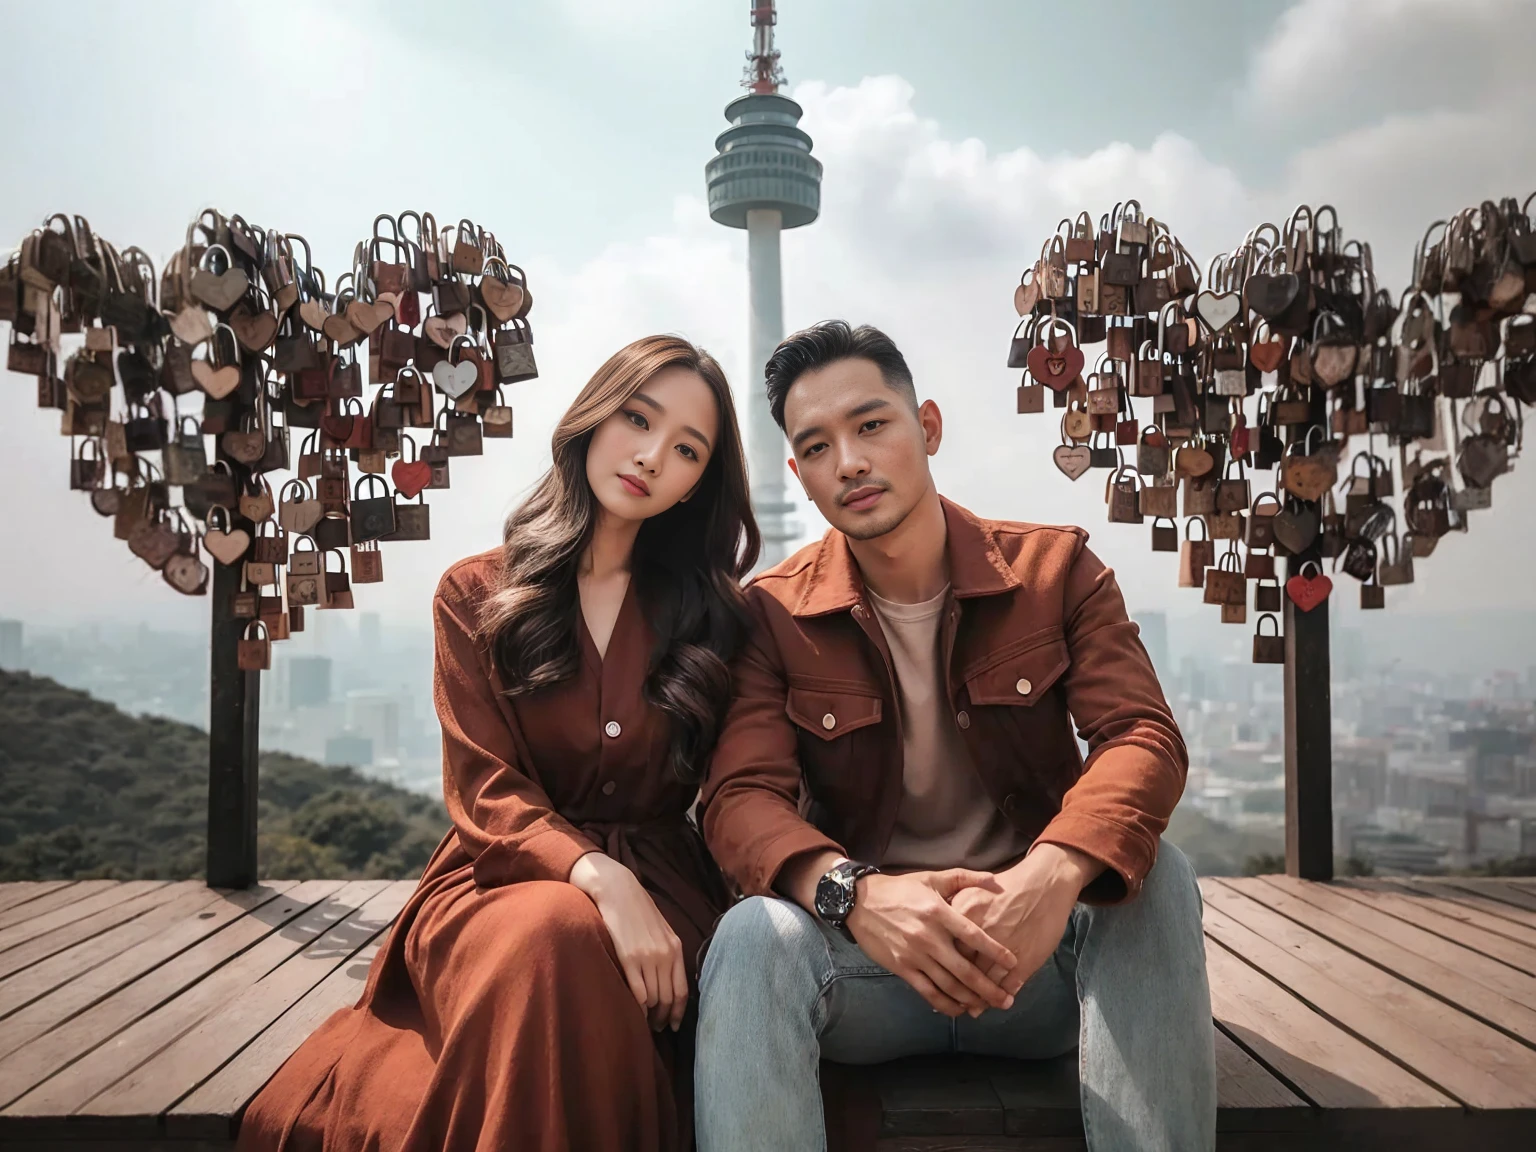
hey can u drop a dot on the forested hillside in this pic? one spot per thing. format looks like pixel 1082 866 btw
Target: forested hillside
pixel 87 791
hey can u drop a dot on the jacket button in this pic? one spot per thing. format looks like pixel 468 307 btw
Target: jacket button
pixel 1024 687
pixel 610 788
pixel 612 728
pixel 1010 804
pixel 829 721
pixel 963 719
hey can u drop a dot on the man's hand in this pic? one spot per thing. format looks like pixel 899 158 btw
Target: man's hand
pixel 907 926
pixel 1026 908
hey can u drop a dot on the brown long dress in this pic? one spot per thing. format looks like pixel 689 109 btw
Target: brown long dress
pixel 497 1016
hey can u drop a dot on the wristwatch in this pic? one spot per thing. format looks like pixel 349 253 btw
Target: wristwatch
pixel 836 893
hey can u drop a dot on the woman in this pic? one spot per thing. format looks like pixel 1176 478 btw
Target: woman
pixel 537 990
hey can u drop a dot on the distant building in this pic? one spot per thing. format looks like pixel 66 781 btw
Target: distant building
pixel 375 715
pixel 10 644
pixel 309 681
pixel 369 633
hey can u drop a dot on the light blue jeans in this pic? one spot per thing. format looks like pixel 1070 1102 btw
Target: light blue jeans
pixel 1127 988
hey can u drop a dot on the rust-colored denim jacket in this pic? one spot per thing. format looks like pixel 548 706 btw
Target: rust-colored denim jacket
pixel 1037 640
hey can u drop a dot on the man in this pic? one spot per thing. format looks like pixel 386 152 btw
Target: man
pixel 929 863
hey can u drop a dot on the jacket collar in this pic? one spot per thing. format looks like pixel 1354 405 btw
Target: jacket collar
pixel 976 566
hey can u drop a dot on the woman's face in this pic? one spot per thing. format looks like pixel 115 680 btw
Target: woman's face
pixel 652 452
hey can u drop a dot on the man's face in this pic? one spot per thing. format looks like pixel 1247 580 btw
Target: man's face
pixel 859 448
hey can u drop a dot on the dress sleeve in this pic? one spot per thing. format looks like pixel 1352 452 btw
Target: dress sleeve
pixel 503 818
pixel 1137 761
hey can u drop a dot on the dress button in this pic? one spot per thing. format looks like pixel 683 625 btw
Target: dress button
pixel 612 728
pixel 829 721
pixel 609 788
pixel 1024 687
pixel 963 719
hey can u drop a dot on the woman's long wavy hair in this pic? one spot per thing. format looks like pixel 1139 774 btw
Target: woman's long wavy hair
pixel 687 565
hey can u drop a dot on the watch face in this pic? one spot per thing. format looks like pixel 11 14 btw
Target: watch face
pixel 834 898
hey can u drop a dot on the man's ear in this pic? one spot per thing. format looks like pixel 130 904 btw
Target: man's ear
pixel 794 466
pixel 932 421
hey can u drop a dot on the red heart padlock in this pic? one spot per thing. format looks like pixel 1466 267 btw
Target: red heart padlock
pixel 411 477
pixel 337 427
pixel 1237 440
pixel 1056 370
pixel 1307 592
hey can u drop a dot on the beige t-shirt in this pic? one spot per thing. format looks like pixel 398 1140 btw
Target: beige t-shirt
pixel 946 819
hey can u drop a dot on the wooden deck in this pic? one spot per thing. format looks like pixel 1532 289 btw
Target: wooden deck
pixel 1370 1014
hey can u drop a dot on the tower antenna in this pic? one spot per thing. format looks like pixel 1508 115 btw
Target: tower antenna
pixel 763 74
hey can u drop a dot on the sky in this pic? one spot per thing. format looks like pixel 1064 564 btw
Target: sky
pixel 953 137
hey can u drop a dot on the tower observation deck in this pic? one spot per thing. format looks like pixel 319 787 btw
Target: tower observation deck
pixel 764 179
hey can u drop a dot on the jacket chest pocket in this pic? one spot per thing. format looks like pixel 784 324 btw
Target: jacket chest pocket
pixel 1020 722
pixel 833 726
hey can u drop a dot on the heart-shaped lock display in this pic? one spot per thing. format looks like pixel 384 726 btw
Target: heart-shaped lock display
pixel 1270 294
pixel 1056 370
pixel 366 317
pixel 341 330
pixel 220 291
pixel 442 329
pixel 503 301
pixel 314 315
pixel 454 380
pixel 227 547
pixel 1306 477
pixel 254 330
pixel 1307 592
pixel 191 325
pixel 1193 462
pixel 1295 528
pixel 216 382
pixel 1072 459
pixel 411 477
pixel 246 447
pixel 1266 355
pixel 1218 309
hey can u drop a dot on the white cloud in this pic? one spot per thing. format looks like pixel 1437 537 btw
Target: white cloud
pixel 1336 60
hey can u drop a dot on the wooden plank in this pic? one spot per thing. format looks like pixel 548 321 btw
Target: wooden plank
pixel 1464 1057
pixel 1478 901
pixel 235 953
pixel 939 1096
pixel 66 936
pixel 1444 983
pixel 76 1088
pixel 1329 1066
pixel 1420 911
pixel 1490 973
pixel 213 1110
pixel 95 967
pixel 1468 909
pixel 117 892
pixel 50 901
pixel 14 892
pixel 1495 889
pixel 179 1068
pixel 1250 1092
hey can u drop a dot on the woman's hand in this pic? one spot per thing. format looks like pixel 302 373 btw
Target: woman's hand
pixel 649 951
